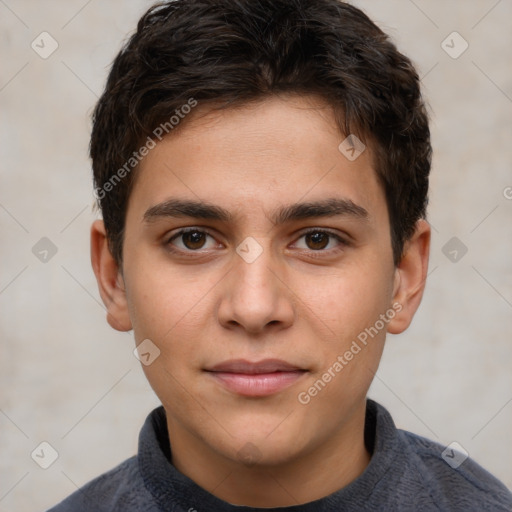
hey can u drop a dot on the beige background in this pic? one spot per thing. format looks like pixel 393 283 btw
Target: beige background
pixel 67 378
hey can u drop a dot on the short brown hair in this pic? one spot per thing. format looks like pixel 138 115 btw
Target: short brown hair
pixel 232 52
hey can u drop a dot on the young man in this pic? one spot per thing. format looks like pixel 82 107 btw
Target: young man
pixel 262 169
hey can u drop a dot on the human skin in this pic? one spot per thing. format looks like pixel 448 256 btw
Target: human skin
pixel 304 300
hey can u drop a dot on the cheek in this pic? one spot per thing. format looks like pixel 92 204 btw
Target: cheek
pixel 163 301
pixel 171 310
pixel 348 301
pixel 365 310
pixel 350 304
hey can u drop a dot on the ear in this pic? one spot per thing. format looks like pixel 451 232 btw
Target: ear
pixel 109 278
pixel 410 277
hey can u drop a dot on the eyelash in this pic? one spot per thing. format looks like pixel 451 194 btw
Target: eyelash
pixel 343 243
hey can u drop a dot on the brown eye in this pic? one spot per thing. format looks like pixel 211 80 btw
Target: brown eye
pixel 317 240
pixel 190 240
pixel 193 239
pixel 322 242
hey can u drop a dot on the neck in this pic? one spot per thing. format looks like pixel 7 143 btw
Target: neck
pixel 310 476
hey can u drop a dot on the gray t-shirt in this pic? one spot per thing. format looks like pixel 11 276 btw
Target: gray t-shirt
pixel 406 473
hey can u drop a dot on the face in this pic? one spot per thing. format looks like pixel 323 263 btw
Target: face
pixel 258 261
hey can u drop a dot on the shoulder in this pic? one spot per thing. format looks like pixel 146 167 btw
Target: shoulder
pixel 120 489
pixel 452 479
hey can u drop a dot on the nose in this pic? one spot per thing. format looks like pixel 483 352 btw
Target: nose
pixel 255 296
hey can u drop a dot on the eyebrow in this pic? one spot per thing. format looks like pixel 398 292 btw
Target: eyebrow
pixel 299 211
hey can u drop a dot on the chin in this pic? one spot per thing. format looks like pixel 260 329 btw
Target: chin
pixel 264 454
pixel 263 446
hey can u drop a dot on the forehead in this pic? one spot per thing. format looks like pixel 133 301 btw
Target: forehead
pixel 258 156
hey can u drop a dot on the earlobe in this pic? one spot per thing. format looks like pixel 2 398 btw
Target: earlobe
pixel 410 276
pixel 109 278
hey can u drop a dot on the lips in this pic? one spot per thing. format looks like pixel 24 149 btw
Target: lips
pixel 256 379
